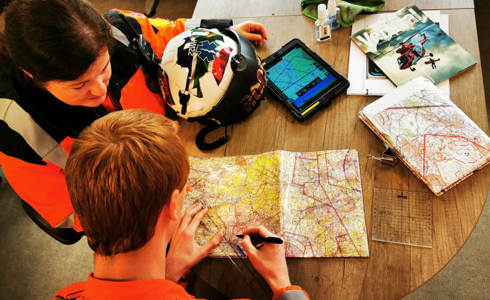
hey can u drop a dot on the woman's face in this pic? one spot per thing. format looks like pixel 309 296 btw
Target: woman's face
pixel 90 89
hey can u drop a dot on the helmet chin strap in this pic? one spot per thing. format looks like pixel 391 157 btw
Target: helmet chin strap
pixel 201 138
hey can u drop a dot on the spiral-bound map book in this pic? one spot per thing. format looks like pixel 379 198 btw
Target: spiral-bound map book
pixel 435 139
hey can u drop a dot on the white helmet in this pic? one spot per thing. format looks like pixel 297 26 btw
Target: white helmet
pixel 199 73
pixel 213 77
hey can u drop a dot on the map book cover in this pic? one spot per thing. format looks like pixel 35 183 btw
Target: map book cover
pixel 436 140
pixel 313 200
pixel 408 44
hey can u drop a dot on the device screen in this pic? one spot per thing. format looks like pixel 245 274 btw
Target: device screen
pixel 299 77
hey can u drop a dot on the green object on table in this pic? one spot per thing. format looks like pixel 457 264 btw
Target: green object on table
pixel 349 9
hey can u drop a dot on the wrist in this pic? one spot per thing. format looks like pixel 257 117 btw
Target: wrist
pixel 277 284
pixel 172 275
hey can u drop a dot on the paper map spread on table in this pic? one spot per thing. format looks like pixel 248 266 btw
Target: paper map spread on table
pixel 313 198
pixel 429 133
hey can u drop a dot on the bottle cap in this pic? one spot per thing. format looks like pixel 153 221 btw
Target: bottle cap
pixel 322 13
pixel 332 7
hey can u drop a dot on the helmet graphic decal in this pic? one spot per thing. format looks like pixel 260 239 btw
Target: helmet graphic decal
pixel 219 64
pixel 258 89
pixel 250 101
pixel 184 58
pixel 184 98
pixel 203 43
pixel 206 51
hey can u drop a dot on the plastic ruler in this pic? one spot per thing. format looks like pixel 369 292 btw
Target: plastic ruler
pixel 402 217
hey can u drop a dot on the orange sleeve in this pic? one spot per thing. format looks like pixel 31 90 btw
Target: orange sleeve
pixel 167 29
pixel 136 95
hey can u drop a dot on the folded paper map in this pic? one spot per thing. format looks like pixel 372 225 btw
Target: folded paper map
pixel 313 200
pixel 429 133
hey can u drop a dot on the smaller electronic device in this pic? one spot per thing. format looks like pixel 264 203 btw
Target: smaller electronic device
pixel 302 80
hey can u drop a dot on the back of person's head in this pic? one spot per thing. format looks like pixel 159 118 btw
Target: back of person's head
pixel 120 173
pixel 55 39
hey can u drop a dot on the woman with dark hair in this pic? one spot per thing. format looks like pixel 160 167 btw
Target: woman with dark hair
pixel 68 67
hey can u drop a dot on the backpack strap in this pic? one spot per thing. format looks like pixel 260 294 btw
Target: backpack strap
pixel 157 80
pixel 119 36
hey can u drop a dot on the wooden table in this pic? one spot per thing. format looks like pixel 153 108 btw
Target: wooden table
pixel 392 271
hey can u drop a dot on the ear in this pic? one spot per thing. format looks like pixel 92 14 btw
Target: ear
pixel 173 205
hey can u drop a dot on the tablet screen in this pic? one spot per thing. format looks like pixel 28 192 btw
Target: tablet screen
pixel 299 77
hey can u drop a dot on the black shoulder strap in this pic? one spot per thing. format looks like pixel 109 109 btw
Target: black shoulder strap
pixel 150 63
pixel 148 58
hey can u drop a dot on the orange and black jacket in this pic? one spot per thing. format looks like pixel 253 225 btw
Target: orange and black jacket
pixel 37 180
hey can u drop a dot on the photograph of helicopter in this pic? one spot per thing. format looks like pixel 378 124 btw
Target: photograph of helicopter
pixel 411 53
pixel 408 44
pixel 428 52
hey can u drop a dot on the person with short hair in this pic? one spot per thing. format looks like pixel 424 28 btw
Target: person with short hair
pixel 127 178
pixel 68 66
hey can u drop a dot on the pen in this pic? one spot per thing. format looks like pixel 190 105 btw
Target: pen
pixel 241 251
pixel 258 239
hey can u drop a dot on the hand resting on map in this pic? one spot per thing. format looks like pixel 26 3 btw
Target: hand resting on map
pixel 184 251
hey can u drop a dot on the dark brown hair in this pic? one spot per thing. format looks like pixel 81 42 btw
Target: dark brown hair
pixel 121 171
pixel 55 39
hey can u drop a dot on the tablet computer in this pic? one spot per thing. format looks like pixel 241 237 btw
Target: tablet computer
pixel 302 80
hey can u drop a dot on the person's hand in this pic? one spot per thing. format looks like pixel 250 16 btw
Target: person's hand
pixel 254 32
pixel 269 260
pixel 184 252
